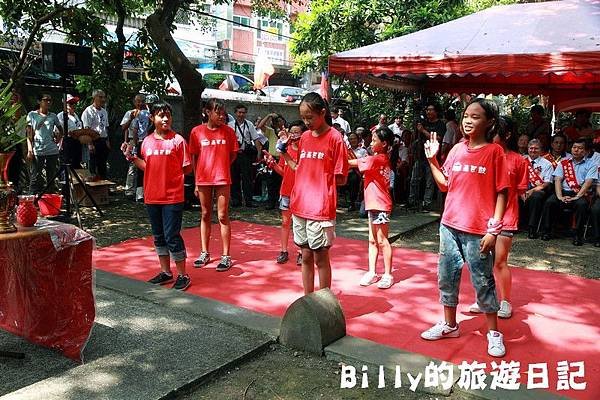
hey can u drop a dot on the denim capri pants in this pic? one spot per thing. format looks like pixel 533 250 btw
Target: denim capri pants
pixel 456 249
pixel 165 220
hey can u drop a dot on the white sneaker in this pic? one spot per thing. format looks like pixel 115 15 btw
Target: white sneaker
pixel 386 281
pixel 496 344
pixel 441 330
pixel 505 310
pixel 368 278
pixel 474 308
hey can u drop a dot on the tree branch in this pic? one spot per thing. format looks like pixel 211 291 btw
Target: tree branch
pixel 37 26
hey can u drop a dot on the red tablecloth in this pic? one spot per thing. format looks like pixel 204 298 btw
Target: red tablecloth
pixel 46 286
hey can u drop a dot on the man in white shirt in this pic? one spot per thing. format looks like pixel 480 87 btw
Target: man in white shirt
pixel 539 171
pixel 95 117
pixel 250 152
pixel 397 128
pixel 336 118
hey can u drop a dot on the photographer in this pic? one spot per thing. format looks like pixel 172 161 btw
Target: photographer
pixel 425 126
pixel 250 152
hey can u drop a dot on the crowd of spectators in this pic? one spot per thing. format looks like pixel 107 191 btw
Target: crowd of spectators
pixel 549 206
pixel 559 196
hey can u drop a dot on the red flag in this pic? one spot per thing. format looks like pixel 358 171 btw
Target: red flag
pixel 324 89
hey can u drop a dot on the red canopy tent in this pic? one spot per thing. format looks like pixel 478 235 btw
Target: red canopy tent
pixel 550 48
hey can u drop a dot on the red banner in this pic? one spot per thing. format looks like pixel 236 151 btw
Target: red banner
pixel 534 176
pixel 570 177
pixel 553 161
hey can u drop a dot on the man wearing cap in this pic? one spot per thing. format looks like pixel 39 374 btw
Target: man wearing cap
pixel 95 117
pixel 71 148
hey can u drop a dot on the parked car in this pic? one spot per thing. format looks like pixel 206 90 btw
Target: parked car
pixel 284 94
pixel 224 85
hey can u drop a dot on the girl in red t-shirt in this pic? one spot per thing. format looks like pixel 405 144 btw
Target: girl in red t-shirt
pixel 282 168
pixel 518 178
pixel 322 164
pixel 378 202
pixel 214 146
pixel 475 178
pixel 164 159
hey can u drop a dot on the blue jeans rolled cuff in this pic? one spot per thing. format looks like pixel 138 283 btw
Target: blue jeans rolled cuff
pixel 456 249
pixel 166 220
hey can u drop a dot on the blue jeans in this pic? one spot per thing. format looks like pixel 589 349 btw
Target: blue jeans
pixel 165 220
pixel 456 249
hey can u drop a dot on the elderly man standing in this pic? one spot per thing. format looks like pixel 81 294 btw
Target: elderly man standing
pixel 95 117
pixel 336 118
pixel 250 151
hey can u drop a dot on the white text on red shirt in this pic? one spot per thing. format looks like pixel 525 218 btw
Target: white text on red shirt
pixel 312 154
pixel 458 167
pixel 158 152
pixel 213 142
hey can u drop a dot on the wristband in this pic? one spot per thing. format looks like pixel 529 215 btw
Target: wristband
pixel 281 147
pixel 494 227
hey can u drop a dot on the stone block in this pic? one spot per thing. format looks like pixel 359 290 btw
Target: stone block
pixel 313 322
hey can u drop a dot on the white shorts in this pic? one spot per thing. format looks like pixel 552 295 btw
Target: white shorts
pixel 314 235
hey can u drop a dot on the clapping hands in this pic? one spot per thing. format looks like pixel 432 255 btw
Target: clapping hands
pixel 432 146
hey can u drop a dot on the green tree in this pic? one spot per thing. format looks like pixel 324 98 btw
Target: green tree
pixel 159 26
pixel 26 22
pixel 334 26
pixel 155 49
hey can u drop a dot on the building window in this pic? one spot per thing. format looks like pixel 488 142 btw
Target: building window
pixel 272 28
pixel 241 21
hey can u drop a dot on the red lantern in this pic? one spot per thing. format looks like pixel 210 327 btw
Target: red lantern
pixel 27 214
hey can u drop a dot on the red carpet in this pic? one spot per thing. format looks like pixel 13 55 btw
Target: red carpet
pixel 556 317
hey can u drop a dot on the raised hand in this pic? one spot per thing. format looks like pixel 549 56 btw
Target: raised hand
pixel 284 135
pixel 432 146
pixel 282 145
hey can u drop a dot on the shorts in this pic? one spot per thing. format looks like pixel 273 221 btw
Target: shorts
pixel 379 217
pixel 314 235
pixel 284 203
pixel 508 234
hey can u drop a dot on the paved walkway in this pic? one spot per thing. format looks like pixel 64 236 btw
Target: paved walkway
pixel 146 344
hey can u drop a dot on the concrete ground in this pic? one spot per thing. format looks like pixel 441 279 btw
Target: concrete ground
pixel 145 345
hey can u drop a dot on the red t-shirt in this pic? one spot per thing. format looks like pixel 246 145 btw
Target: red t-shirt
pixel 215 149
pixel 289 174
pixel 165 159
pixel 320 159
pixel 475 176
pixel 376 172
pixel 518 176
